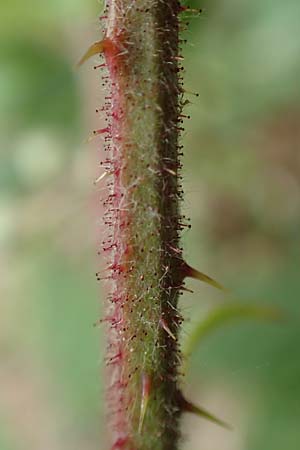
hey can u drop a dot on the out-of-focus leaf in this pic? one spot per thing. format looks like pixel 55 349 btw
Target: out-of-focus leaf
pixel 226 314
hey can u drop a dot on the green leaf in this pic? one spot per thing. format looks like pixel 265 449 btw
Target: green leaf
pixel 226 314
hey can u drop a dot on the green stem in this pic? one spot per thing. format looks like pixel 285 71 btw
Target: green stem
pixel 141 51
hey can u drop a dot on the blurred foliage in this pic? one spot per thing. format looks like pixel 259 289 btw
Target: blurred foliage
pixel 241 177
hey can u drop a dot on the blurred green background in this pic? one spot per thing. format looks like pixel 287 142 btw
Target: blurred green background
pixel 242 183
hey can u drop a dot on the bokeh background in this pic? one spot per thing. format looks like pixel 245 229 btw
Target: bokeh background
pixel 242 183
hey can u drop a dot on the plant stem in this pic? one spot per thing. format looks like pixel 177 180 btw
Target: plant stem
pixel 141 49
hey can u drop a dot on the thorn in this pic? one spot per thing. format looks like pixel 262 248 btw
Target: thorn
pixel 164 325
pixel 146 388
pixel 188 271
pixel 94 49
pixel 187 406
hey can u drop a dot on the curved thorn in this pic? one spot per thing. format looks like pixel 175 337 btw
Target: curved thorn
pixel 146 388
pixel 164 325
pixel 94 49
pixel 190 272
pixel 187 406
